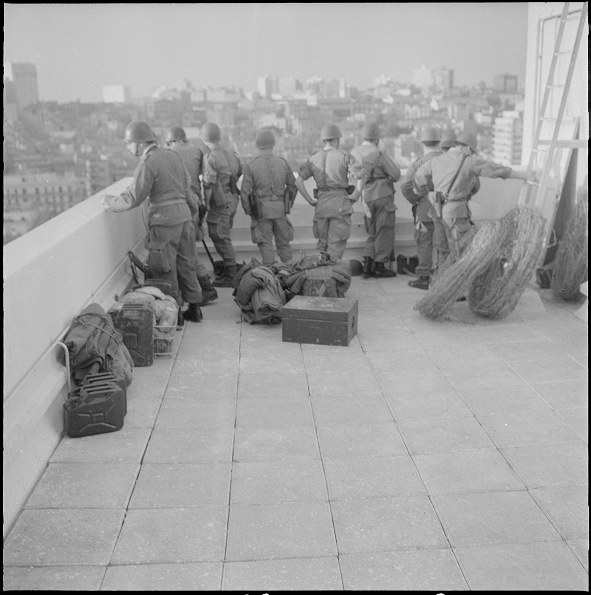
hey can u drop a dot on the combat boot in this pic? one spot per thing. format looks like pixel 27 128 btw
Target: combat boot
pixel 208 291
pixel 226 280
pixel 421 283
pixel 367 267
pixel 382 271
pixel 193 313
pixel 180 320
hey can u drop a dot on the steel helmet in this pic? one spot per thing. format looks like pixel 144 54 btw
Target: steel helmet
pixel 139 132
pixel 356 267
pixel 448 140
pixel 175 133
pixel 264 139
pixel 210 132
pixel 329 132
pixel 430 135
pixel 468 139
pixel 371 131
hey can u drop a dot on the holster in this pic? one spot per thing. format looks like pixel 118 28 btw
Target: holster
pixel 255 205
pixel 437 200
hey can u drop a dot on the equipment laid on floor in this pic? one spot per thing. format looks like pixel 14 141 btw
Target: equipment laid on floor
pixel 95 408
pixel 108 377
pixel 136 323
pixel 319 320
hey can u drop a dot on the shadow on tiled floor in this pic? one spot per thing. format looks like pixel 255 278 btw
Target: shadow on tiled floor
pixel 426 455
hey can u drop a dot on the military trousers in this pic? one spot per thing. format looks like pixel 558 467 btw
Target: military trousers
pixel 172 258
pixel 379 245
pixel 219 232
pixel 424 239
pixel 332 234
pixel 447 234
pixel 264 230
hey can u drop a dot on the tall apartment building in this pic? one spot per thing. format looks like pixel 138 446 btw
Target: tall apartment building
pixel 508 138
pixel 116 94
pixel 267 85
pixel 505 83
pixel 443 79
pixel 24 78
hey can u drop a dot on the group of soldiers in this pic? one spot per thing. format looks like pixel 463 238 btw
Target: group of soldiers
pixel 187 184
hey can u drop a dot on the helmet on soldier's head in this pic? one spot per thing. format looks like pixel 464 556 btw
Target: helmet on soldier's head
pixel 139 132
pixel 329 132
pixel 430 135
pixel 175 133
pixel 264 139
pixel 468 139
pixel 371 131
pixel 210 132
pixel 448 140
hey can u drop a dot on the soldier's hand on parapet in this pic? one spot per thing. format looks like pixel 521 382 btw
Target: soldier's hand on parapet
pixel 105 200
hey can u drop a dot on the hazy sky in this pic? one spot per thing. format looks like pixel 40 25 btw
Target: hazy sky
pixel 79 48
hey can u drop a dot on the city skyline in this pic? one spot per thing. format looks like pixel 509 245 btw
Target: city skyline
pixel 144 46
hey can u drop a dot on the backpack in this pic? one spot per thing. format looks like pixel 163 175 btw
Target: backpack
pixel 94 345
pixel 320 275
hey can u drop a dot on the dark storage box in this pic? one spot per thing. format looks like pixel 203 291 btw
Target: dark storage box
pixel 135 322
pixel 319 320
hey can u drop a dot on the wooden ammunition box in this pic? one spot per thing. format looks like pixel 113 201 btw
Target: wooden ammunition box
pixel 319 320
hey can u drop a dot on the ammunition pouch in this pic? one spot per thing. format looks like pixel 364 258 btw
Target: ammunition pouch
pixel 158 260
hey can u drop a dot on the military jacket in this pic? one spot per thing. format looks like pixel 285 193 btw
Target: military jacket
pixel 377 169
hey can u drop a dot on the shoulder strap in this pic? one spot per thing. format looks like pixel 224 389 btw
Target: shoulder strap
pixel 456 176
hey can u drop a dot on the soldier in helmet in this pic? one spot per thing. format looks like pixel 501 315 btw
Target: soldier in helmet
pixel 450 175
pixel 268 191
pixel 162 178
pixel 377 174
pixel 192 156
pixel 421 209
pixel 221 171
pixel 331 168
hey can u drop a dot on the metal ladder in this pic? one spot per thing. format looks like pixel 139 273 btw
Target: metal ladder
pixel 534 193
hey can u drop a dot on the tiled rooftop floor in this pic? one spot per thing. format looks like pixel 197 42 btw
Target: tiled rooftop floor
pixel 426 455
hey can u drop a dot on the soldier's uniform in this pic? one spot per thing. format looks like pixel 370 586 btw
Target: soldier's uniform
pixel 162 177
pixel 379 173
pixel 219 166
pixel 268 177
pixel 330 168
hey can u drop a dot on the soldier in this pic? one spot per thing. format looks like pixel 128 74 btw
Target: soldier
pixel 377 174
pixel 334 196
pixel 192 156
pixel 221 171
pixel 162 178
pixel 421 210
pixel 268 191
pixel 450 175
pixel 448 140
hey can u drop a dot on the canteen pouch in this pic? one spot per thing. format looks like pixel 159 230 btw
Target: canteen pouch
pixel 158 257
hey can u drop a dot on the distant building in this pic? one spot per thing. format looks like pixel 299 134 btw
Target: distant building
pixel 288 86
pixel 422 77
pixel 505 83
pixel 116 94
pixel 267 85
pixel 443 79
pixel 24 78
pixel 508 138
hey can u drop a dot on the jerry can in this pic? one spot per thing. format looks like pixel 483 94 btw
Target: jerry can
pixel 135 322
pixel 98 377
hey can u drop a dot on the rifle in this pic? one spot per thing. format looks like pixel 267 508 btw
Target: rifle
pixel 218 265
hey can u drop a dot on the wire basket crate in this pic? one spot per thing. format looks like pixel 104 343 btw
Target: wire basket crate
pixel 163 340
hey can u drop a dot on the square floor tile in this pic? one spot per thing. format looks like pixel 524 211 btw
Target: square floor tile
pixel 526 350
pixel 146 386
pixel 547 566
pixel 54 578
pixel 577 419
pixel 478 378
pixel 189 445
pixel 141 413
pixel 535 426
pixel 186 412
pixel 497 399
pixel 565 394
pixel 206 361
pixel 423 404
pixel 201 576
pixel 182 486
pixel 271 482
pixel 61 537
pixel 549 370
pixel 84 485
pixel 417 381
pixel 277 385
pixel 372 477
pixel 339 385
pixel 378 524
pixel 275 444
pixel 292 574
pixel 444 434
pixel 413 570
pixel 203 385
pixel 360 440
pixel 580 548
pixel 124 446
pixel 550 465
pixel 491 518
pixel 469 471
pixel 566 508
pixel 365 408
pixel 506 333
pixel 274 412
pixel 172 535
pixel 287 530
